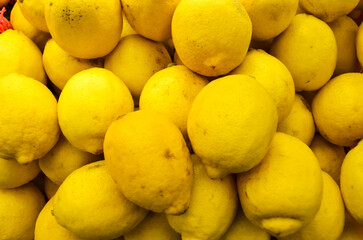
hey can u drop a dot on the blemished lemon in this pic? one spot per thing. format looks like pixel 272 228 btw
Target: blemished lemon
pixel 345 31
pixel 300 122
pixel 283 193
pixel 330 156
pixel 328 222
pixel 213 206
pixel 204 37
pixel 150 18
pixel 338 109
pixel 227 112
pixel 242 228
pixel 63 159
pixel 33 11
pixel 46 226
pixel 269 17
pixel 351 182
pixel 13 174
pixel 148 158
pixel 272 74
pixel 135 59
pixel 84 28
pixel 50 188
pixel 155 226
pixel 309 50
pixel 65 66
pixel 89 204
pixel 19 22
pixel 328 10
pixel 19 54
pixel 89 102
pixel 28 118
pixel 19 209
pixel 171 91
pixel 352 229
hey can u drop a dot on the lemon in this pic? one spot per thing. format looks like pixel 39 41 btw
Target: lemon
pixel 89 102
pixel 204 37
pixel 150 18
pixel 50 188
pixel 46 226
pixel 126 27
pixel 28 118
pixel 33 11
pixel 63 159
pixel 338 109
pixel 13 174
pixel 155 226
pixel 272 74
pixel 148 158
pixel 85 28
pixel 269 17
pixel 345 31
pixel 300 122
pixel 135 60
pixel 351 182
pixel 19 22
pixel 328 10
pixel 242 228
pixel 89 204
pixel 352 230
pixel 328 222
pixel 359 44
pixel 330 156
pixel 171 91
pixel 65 66
pixel 309 50
pixel 19 209
pixel 213 206
pixel 227 112
pixel 19 54
pixel 283 193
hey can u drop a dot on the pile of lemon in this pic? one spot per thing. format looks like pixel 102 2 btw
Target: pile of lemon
pixel 182 119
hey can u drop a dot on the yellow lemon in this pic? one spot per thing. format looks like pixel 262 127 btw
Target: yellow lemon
pixel 171 91
pixel 19 54
pixel 242 228
pixel 19 22
pixel 283 193
pixel 150 18
pixel 50 188
pixel 60 66
pixel 345 31
pixel 212 208
pixel 352 229
pixel 89 204
pixel 148 158
pixel 89 102
pixel 338 109
pixel 204 37
pixel 63 159
pixel 33 11
pixel 13 174
pixel 135 60
pixel 155 226
pixel 309 50
pixel 19 209
pixel 330 156
pixel 351 182
pixel 231 124
pixel 269 17
pixel 328 10
pixel 300 122
pixel 328 222
pixel 84 28
pixel 46 226
pixel 272 74
pixel 28 118
pixel 359 44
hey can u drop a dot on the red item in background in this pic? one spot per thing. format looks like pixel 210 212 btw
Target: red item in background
pixel 4 23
